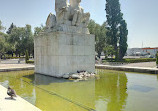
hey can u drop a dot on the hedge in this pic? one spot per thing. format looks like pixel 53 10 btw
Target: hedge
pixel 13 57
pixel 157 58
pixel 30 62
pixel 133 60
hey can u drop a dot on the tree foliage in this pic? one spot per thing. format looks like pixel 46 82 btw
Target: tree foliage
pixel 22 39
pixel 10 28
pixel 116 28
pixel 157 58
pixel 100 35
pixel 123 39
pixel 38 30
pixel 4 46
pixel 109 51
pixel 1 27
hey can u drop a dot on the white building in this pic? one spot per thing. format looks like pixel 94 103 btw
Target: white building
pixel 142 51
pixel 134 51
pixel 150 51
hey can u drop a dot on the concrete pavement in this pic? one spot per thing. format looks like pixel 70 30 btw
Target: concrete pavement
pixel 13 65
pixel 18 104
pixel 144 67
pixel 130 68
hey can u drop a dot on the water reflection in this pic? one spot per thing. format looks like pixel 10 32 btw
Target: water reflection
pixel 15 80
pixel 111 91
pixel 107 93
pixel 78 96
pixel 46 80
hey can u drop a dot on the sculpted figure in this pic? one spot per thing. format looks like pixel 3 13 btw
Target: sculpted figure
pixel 86 17
pixel 51 21
pixel 68 14
pixel 77 13
pixel 62 10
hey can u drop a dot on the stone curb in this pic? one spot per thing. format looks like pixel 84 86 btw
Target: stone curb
pixel 18 104
pixel 16 69
pixel 129 69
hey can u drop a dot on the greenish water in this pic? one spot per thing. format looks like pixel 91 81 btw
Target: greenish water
pixel 111 91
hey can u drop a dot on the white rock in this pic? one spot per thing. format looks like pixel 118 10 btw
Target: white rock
pixel 66 76
pixel 59 76
pixel 88 75
pixel 75 76
pixel 93 75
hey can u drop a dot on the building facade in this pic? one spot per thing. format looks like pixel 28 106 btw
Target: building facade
pixel 142 51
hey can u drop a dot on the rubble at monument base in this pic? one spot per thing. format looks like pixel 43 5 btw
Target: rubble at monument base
pixel 59 53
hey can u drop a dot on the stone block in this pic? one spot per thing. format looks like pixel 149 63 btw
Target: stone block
pixel 58 53
pixel 74 50
pixel 81 50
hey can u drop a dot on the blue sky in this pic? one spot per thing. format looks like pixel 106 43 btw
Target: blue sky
pixel 140 15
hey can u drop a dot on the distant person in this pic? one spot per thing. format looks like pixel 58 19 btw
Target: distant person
pixel 11 92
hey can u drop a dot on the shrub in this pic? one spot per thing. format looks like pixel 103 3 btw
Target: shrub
pixel 140 60
pixel 133 60
pixel 30 62
pixel 26 56
pixel 157 58
pixel 14 57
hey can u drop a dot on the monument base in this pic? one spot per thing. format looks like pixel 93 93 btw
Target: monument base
pixel 59 53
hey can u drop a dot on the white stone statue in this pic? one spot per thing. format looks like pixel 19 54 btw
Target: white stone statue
pixel 62 10
pixel 68 15
pixel 51 21
pixel 76 12
pixel 65 32
pixel 79 18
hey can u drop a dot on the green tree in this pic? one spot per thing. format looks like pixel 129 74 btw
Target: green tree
pixel 1 26
pixel 91 26
pixel 22 39
pixel 123 39
pixel 100 38
pixel 26 56
pixel 109 51
pixel 16 38
pixel 29 40
pixel 10 28
pixel 3 44
pixel 38 30
pixel 115 27
pixel 157 59
pixel 11 47
pixel 100 35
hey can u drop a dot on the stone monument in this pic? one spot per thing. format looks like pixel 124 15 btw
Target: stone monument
pixel 66 46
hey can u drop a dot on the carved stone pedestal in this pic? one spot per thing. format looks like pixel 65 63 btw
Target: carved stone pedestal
pixel 58 53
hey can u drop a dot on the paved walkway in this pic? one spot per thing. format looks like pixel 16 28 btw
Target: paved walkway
pixel 18 104
pixel 148 67
pixel 13 65
pixel 145 67
pixel 143 64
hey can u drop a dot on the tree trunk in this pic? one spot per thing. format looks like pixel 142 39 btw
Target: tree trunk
pixel 12 54
pixel 33 54
pixel 99 54
pixel 120 55
pixel 116 52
